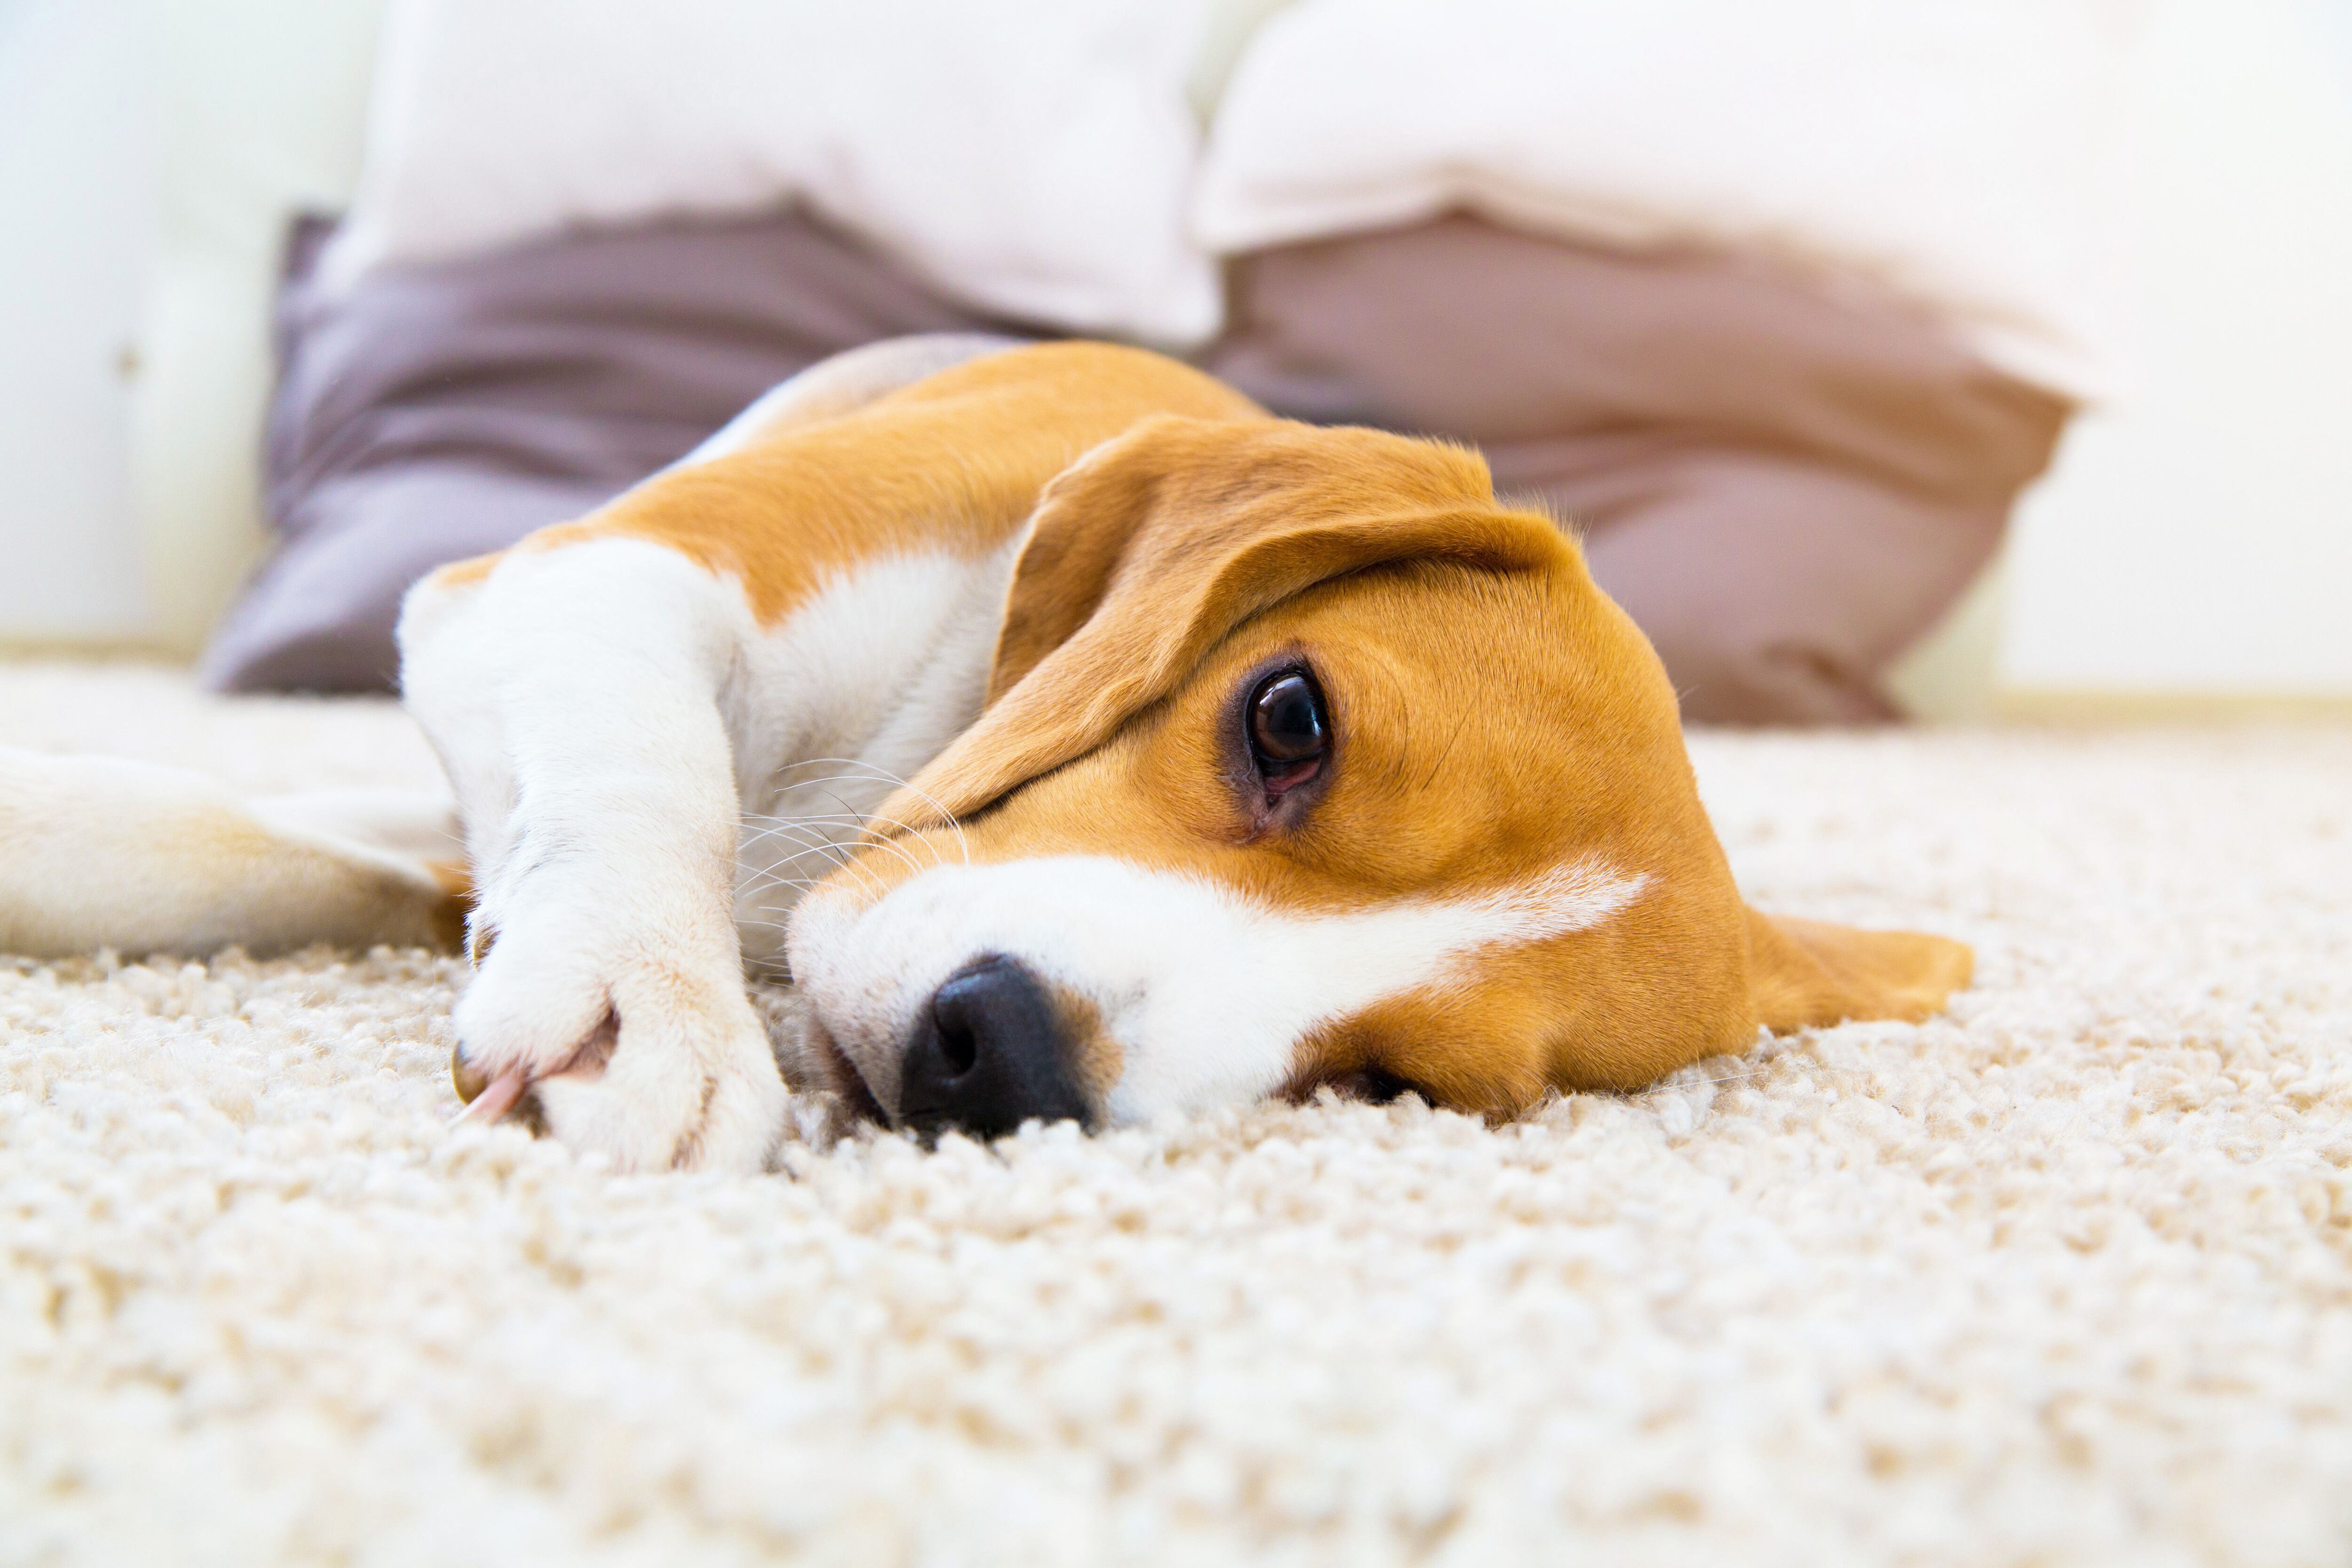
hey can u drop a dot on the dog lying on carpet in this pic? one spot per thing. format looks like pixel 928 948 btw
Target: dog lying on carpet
pixel 1085 743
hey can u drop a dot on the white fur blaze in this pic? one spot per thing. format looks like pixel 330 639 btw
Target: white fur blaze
pixel 1207 993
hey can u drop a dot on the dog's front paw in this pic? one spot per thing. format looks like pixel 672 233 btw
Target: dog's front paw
pixel 653 1059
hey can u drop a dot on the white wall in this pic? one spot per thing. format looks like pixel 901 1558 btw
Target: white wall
pixel 261 109
pixel 77 228
pixel 2197 536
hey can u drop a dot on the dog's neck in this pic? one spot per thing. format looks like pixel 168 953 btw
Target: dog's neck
pixel 840 704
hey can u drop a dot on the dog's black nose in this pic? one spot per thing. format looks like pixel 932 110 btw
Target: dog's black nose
pixel 988 1054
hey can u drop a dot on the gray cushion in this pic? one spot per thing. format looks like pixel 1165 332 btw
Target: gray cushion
pixel 1784 485
pixel 435 412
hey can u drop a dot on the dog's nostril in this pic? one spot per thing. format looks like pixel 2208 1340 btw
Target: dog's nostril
pixel 988 1053
pixel 957 1042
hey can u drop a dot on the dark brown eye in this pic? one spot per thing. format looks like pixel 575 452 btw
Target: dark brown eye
pixel 1289 731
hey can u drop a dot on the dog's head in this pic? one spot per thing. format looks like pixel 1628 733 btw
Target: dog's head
pixel 1304 761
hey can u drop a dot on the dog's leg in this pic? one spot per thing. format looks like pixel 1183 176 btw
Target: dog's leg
pixel 106 852
pixel 575 695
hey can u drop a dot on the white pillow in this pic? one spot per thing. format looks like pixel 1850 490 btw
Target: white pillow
pixel 1033 159
pixel 1945 148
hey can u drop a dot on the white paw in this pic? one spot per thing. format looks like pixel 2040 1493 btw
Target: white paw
pixel 647 1055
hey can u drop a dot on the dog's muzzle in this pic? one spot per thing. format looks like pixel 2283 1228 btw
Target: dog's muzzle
pixel 988 1053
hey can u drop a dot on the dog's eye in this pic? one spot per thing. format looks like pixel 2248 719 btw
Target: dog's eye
pixel 1288 732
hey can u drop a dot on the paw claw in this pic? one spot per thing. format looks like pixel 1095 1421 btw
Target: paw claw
pixel 496 1098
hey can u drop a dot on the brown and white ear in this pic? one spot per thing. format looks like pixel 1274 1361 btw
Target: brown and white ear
pixel 1148 550
pixel 1803 973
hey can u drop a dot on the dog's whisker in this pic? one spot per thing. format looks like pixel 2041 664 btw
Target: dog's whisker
pixel 777 829
pixel 838 866
pixel 861 774
pixel 948 816
pixel 808 819
pixel 804 888
pixel 895 846
pixel 816 844
pixel 892 845
pixel 877 769
pixel 929 799
pixel 767 880
pixel 793 833
pixel 850 815
pixel 860 821
pixel 899 851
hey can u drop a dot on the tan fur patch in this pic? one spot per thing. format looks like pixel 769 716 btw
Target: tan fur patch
pixel 1095 1055
pixel 953 463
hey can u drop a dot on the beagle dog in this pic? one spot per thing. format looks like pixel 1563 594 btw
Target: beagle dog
pixel 1081 740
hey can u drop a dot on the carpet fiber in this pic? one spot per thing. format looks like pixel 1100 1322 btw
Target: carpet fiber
pixel 2062 1278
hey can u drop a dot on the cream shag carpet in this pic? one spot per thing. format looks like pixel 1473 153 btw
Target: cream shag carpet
pixel 2064 1278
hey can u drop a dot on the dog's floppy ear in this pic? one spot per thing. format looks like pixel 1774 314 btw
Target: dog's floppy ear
pixel 1803 973
pixel 1153 546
